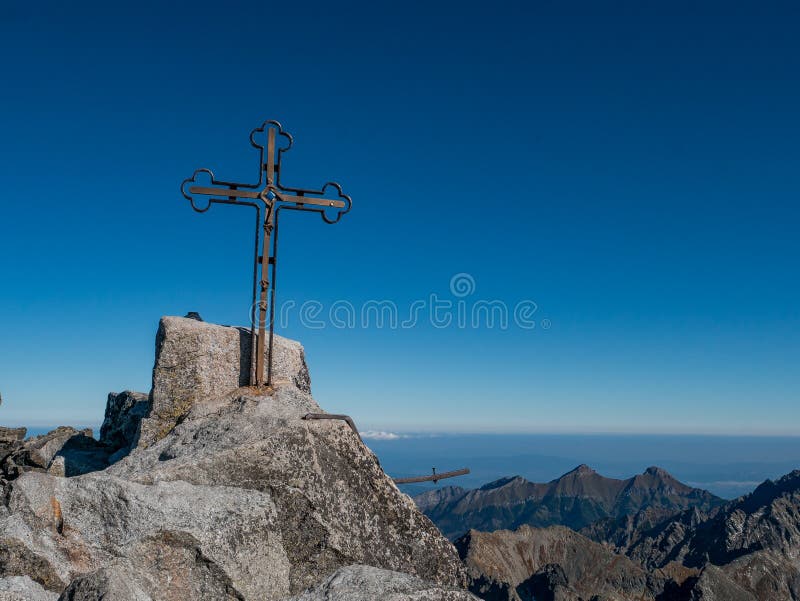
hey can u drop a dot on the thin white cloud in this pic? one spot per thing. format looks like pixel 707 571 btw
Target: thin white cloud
pixel 381 435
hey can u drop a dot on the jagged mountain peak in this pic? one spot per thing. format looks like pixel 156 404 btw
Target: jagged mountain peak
pixel 768 492
pixel 575 499
pixel 766 519
pixel 794 476
pixel 501 482
pixel 660 472
pixel 787 483
pixel 658 479
pixel 581 470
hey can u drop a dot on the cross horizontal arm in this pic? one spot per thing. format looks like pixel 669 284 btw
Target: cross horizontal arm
pixel 302 200
pixel 311 200
pixel 224 192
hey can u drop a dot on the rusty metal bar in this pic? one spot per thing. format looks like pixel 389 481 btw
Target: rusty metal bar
pixel 266 251
pixel 271 156
pixel 310 200
pixel 253 341
pixel 224 192
pixel 345 418
pixel 262 304
pixel 434 477
pixel 298 198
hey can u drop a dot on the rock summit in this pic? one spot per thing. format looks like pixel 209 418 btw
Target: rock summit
pixel 208 489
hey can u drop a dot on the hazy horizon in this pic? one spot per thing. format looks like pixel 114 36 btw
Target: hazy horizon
pixel 44 426
pixel 726 465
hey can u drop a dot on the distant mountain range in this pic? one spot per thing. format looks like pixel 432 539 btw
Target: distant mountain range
pixel 577 499
pixel 743 550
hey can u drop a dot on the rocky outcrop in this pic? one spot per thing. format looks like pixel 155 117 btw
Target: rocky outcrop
pixel 169 565
pixel 714 584
pixel 41 450
pixel 124 414
pixel 10 442
pixel 196 361
pixel 64 451
pixel 11 436
pixel 366 583
pixel 621 533
pixel 576 499
pixel 238 498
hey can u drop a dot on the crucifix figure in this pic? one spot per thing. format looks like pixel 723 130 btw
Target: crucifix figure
pixel 271 195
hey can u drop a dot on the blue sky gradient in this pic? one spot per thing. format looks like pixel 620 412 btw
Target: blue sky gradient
pixel 631 167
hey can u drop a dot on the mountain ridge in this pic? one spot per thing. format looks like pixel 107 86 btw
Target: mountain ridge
pixel 576 499
pixel 743 550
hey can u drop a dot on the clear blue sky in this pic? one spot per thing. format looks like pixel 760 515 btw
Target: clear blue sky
pixel 632 167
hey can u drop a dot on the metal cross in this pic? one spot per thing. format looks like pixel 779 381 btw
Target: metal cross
pixel 275 197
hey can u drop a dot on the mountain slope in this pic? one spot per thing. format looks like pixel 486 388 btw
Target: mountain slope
pixel 576 499
pixel 557 563
pixel 751 543
pixel 766 520
pixel 745 550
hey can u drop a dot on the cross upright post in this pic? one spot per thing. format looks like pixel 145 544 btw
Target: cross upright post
pixel 269 194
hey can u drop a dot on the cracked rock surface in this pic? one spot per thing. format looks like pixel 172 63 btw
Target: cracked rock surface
pixel 232 496
pixel 365 583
